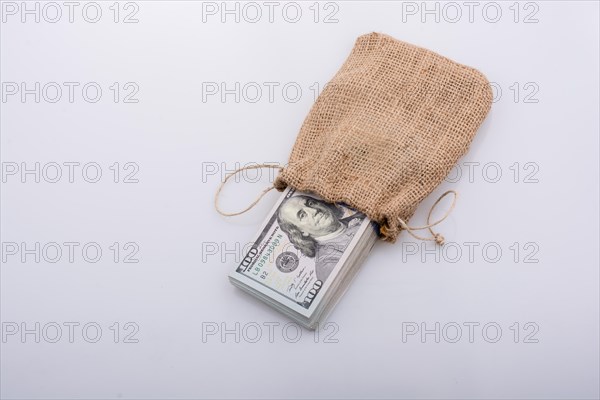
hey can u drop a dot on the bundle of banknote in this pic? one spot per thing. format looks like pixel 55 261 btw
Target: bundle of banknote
pixel 305 256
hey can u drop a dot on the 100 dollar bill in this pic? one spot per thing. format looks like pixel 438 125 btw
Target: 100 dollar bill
pixel 300 249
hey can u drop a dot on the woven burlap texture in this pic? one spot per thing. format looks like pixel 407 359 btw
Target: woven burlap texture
pixel 387 129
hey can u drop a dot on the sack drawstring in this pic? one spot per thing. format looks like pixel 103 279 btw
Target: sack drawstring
pixel 255 202
pixel 436 237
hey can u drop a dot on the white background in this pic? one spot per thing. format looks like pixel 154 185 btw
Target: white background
pixel 183 146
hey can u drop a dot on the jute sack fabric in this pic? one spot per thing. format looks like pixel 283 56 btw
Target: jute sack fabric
pixel 387 129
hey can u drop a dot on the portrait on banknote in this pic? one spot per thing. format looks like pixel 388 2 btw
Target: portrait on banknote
pixel 301 245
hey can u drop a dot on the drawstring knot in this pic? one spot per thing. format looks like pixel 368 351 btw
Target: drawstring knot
pixel 435 237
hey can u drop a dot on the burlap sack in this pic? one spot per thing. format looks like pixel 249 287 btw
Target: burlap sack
pixel 387 129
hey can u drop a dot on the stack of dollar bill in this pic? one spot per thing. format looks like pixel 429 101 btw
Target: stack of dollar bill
pixel 305 255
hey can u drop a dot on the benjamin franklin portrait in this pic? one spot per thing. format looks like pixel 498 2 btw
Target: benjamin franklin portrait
pixel 318 230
